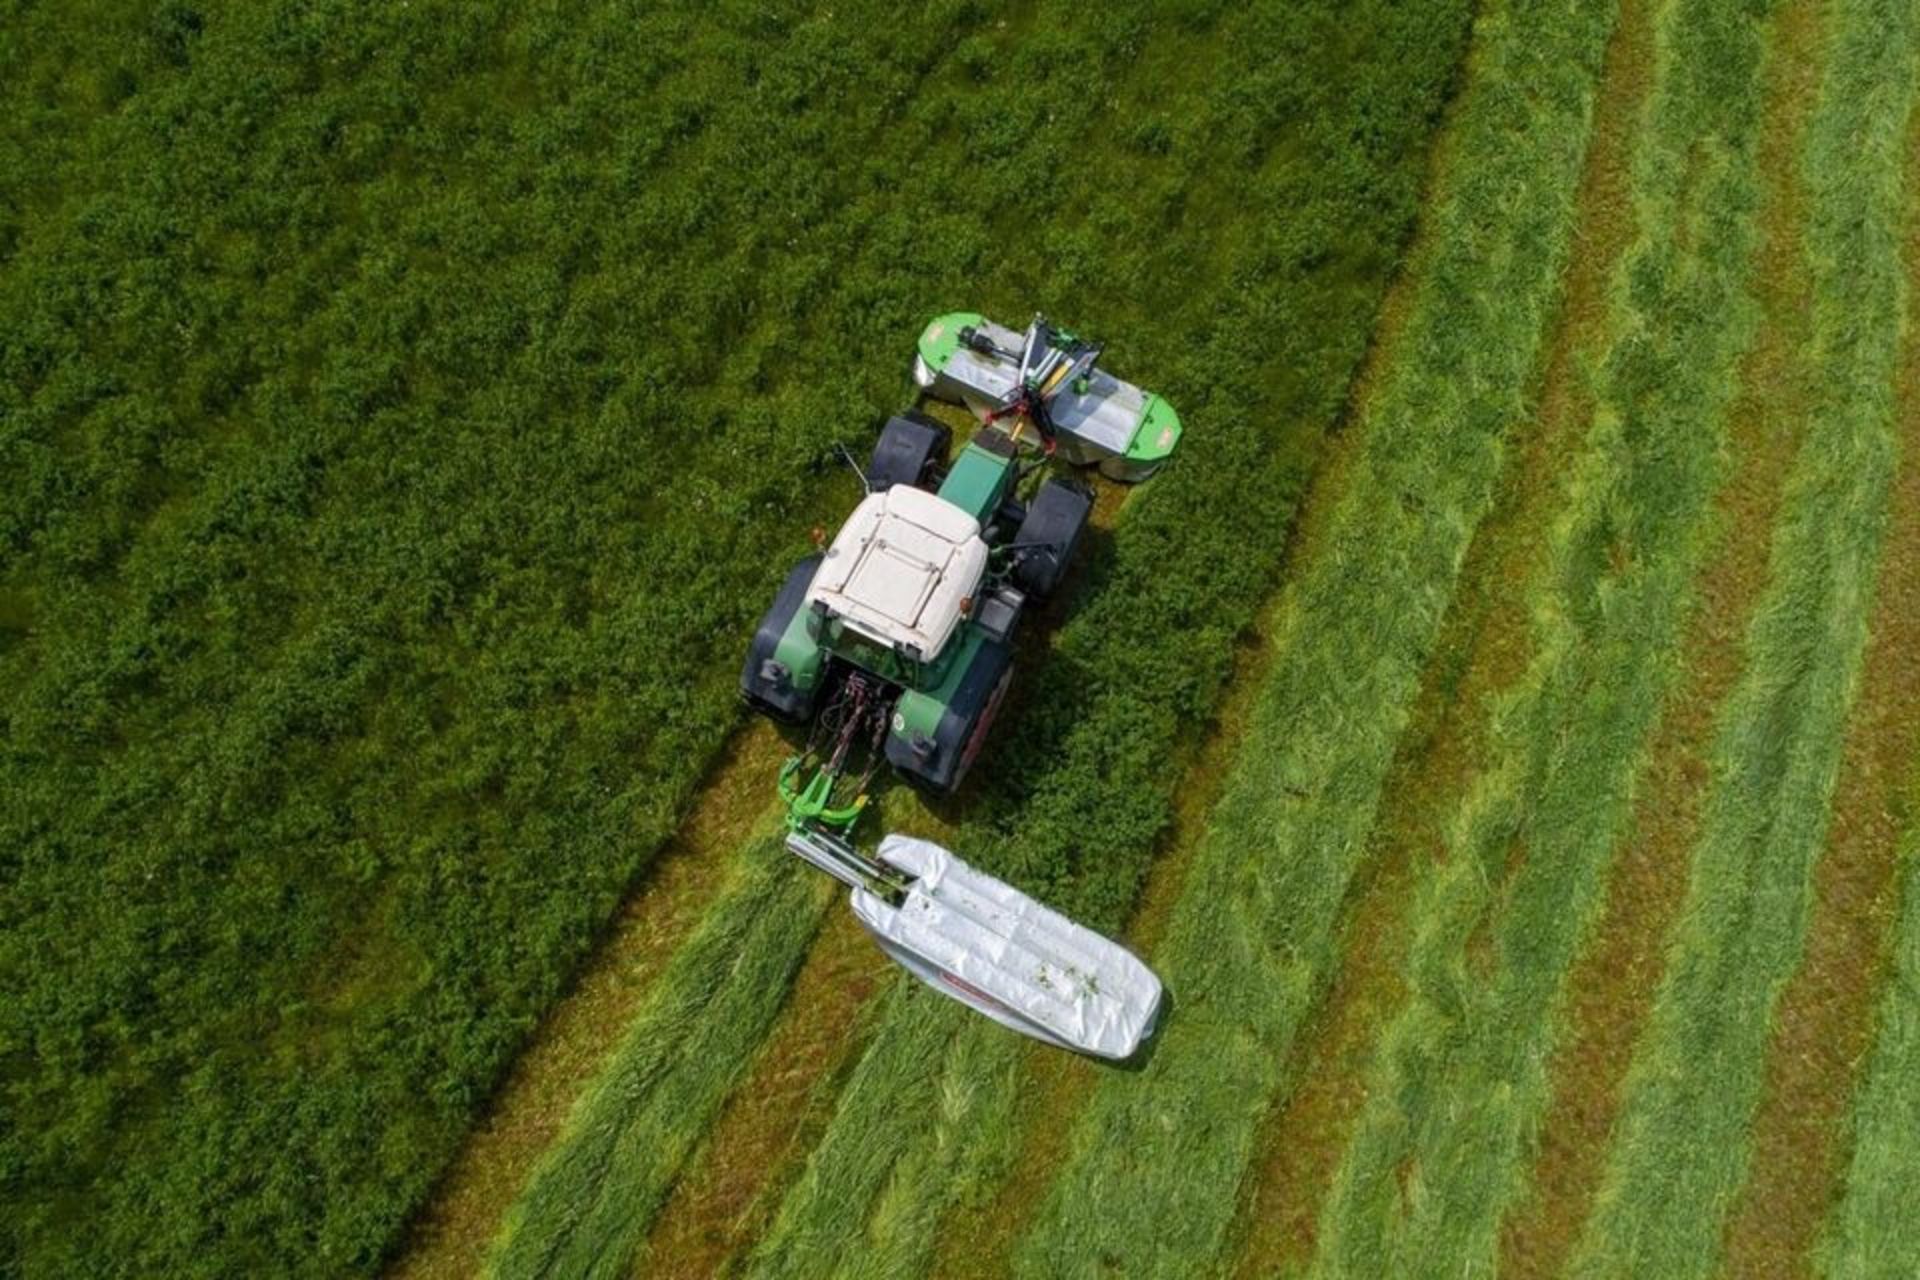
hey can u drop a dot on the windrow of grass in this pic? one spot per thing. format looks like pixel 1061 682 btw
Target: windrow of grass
pixel 1441 1147
pixel 589 1204
pixel 1343 98
pixel 1871 1231
pixel 1257 342
pixel 1155 1165
pixel 1682 1145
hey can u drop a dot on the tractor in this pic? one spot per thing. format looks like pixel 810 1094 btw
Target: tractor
pixel 893 645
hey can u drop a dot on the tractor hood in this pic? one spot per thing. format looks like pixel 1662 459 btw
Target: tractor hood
pixel 903 570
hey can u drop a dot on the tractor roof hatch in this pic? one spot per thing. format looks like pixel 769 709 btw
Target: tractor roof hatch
pixel 902 568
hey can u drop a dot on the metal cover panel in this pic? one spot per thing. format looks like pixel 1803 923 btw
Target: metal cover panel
pixel 985 943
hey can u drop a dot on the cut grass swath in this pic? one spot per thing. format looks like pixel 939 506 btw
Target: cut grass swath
pixel 1484 647
pixel 1150 1184
pixel 1682 1147
pixel 1871 1235
pixel 1440 1150
pixel 590 1203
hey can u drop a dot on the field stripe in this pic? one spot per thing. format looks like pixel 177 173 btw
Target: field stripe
pixel 1682 1143
pixel 1823 1025
pixel 1250 941
pixel 721 1201
pixel 594 1196
pixel 1871 1233
pixel 581 1032
pixel 1612 983
pixel 1484 644
pixel 1439 1151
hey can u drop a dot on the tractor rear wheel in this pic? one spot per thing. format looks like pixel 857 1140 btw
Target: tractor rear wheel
pixel 764 683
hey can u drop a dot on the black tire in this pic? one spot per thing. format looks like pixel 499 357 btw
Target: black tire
pixel 912 447
pixel 764 689
pixel 939 764
pixel 1048 537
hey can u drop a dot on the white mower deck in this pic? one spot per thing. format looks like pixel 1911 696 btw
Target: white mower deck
pixel 988 945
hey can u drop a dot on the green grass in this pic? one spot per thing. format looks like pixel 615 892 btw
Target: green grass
pixel 1152 1176
pixel 591 1201
pixel 1681 1146
pixel 398 402
pixel 1346 142
pixel 1442 1146
pixel 373 488
pixel 1870 1233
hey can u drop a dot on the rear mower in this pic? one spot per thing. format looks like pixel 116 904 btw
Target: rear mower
pixel 895 645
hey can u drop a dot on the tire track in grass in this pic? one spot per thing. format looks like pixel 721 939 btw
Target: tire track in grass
pixel 1483 646
pixel 977 1238
pixel 1823 1025
pixel 1149 1187
pixel 581 1031
pixel 1612 983
pixel 1683 1144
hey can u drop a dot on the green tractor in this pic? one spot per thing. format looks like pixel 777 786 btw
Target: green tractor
pixel 894 646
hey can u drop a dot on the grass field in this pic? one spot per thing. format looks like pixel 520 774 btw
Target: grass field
pixel 1499 726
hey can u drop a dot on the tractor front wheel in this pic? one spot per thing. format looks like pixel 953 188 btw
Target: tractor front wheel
pixel 911 449
pixel 1048 537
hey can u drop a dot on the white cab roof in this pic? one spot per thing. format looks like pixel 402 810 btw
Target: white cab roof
pixel 902 568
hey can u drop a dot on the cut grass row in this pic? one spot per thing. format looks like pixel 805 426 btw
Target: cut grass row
pixel 1082 747
pixel 1823 1022
pixel 1440 1151
pixel 1611 984
pixel 1870 1235
pixel 1682 1146
pixel 592 1200
pixel 1484 646
pixel 1151 1179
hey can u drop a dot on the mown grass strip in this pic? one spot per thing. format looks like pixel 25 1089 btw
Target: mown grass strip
pixel 1094 807
pixel 1682 1145
pixel 1611 984
pixel 1150 1184
pixel 783 1100
pixel 1870 1235
pixel 1484 647
pixel 591 1202
pixel 1439 1150
pixel 1824 1021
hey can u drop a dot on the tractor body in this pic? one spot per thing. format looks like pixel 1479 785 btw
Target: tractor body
pixel 893 645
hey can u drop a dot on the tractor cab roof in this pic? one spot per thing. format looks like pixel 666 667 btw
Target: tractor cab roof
pixel 901 570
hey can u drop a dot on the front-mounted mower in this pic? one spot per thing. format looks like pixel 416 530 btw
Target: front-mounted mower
pixel 894 646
